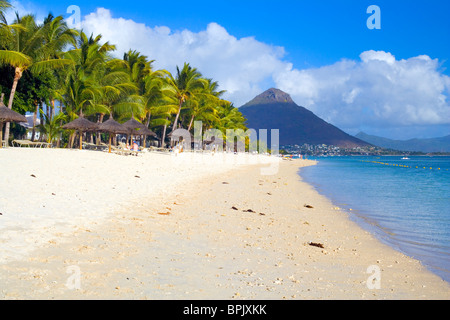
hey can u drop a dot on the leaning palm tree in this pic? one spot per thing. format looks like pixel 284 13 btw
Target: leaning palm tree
pixel 162 114
pixel 153 95
pixel 117 93
pixel 205 103
pixel 24 47
pixel 187 83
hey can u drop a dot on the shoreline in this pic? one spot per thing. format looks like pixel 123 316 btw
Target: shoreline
pixel 364 217
pixel 191 243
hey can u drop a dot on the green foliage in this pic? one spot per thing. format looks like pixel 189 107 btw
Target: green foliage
pixel 31 89
pixel 52 128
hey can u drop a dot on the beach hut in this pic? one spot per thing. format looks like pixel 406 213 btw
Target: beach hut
pixel 112 127
pixel 82 125
pixel 8 115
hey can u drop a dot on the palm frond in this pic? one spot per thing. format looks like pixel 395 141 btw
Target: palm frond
pixel 15 58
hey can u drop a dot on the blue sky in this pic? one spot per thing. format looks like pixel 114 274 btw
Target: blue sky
pixel 314 33
pixel 321 52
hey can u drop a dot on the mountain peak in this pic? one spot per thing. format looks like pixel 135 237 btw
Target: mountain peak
pixel 274 109
pixel 271 95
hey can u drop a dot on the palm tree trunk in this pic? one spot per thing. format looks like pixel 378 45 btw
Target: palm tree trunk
pixel 52 110
pixel 17 76
pixel 164 135
pixel 178 115
pixel 58 143
pixel 71 140
pixel 99 136
pixel 33 133
pixel 1 134
pixel 41 118
pixel 147 123
pixel 190 123
pixel 47 111
pixel 148 119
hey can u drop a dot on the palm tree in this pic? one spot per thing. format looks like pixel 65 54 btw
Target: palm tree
pixel 205 103
pixel 138 67
pixel 80 87
pixel 24 46
pixel 148 81
pixel 187 83
pixel 52 127
pixel 166 108
pixel 4 5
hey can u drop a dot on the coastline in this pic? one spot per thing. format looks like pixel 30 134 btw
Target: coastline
pixel 183 239
pixel 363 192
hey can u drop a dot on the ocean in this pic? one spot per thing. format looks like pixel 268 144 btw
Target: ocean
pixel 405 203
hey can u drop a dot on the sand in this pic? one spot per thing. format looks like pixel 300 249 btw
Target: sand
pixel 91 225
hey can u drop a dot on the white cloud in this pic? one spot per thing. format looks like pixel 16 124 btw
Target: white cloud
pixel 377 91
pixel 239 65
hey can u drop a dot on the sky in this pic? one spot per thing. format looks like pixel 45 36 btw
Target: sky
pixel 392 81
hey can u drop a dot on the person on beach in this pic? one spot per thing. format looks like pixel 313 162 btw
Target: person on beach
pixel 176 149
pixel 135 146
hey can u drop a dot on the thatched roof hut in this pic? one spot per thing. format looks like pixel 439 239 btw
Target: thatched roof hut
pixel 112 126
pixel 81 124
pixel 8 115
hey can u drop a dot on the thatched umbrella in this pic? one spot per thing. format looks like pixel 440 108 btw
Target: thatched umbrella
pixel 144 132
pixel 112 127
pixel 138 129
pixel 8 115
pixel 134 124
pixel 82 125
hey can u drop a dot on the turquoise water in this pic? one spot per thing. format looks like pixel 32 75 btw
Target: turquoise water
pixel 405 203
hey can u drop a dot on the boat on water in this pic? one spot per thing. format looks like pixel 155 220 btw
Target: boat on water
pixel 405 158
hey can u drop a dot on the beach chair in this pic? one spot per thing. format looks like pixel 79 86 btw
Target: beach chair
pixel 122 149
pixel 46 145
pixel 22 143
pixel 37 144
pixel 89 146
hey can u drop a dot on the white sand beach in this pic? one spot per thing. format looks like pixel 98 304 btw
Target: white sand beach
pixel 188 227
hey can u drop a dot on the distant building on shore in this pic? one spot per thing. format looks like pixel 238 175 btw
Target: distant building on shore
pixel 29 127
